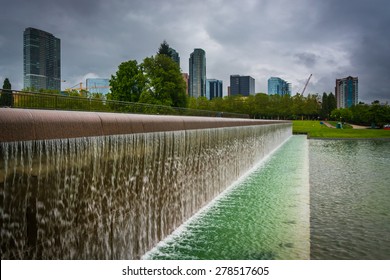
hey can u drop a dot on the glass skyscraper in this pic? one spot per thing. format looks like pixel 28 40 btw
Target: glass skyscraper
pixel 346 92
pixel 175 56
pixel 214 88
pixel 278 86
pixel 197 69
pixel 41 60
pixel 244 85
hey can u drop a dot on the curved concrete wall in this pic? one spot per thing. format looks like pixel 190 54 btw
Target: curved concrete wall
pixel 27 124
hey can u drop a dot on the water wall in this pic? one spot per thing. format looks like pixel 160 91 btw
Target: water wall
pixel 69 189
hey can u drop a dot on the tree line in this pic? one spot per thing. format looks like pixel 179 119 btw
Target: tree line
pixel 263 106
pixel 374 115
pixel 297 107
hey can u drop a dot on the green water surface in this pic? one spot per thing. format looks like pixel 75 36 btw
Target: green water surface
pixel 265 216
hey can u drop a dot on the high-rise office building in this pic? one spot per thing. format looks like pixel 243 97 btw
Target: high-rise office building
pixel 41 60
pixel 175 56
pixel 346 92
pixel 244 85
pixel 197 69
pixel 278 86
pixel 214 88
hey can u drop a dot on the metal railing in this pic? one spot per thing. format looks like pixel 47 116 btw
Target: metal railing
pixel 32 100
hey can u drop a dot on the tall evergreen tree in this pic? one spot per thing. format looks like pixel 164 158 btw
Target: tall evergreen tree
pixel 6 84
pixel 332 102
pixel 324 106
pixel 6 94
pixel 328 105
pixel 164 49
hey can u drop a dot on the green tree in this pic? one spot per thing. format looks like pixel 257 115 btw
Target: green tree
pixel 312 107
pixel 261 108
pixel 49 91
pixel 328 105
pixel 6 94
pixel 324 113
pixel 285 106
pixel 128 83
pixel 164 49
pixel 298 104
pixel 164 84
pixel 378 114
pixel 274 106
pixel 332 103
pixel 217 104
pixel 342 114
pixel 6 84
pixel 200 103
pixel 361 114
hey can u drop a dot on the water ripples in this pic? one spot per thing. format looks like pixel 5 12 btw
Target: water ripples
pixel 350 199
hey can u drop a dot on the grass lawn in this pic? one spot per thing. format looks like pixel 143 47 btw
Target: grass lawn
pixel 315 130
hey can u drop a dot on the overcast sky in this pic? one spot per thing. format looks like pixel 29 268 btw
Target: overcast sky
pixel 261 38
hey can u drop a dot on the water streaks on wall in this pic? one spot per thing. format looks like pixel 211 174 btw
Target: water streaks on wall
pixel 115 197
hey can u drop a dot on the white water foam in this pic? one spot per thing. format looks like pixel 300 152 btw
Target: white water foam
pixel 197 216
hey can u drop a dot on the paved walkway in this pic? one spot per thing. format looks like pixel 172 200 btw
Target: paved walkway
pixel 354 126
pixel 329 125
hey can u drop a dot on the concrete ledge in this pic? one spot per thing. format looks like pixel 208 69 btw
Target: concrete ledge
pixel 27 124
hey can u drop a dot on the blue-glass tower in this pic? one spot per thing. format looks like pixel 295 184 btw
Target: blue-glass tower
pixel 214 88
pixel 278 86
pixel 347 92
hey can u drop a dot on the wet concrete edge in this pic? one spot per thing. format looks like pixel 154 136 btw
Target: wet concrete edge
pixel 29 124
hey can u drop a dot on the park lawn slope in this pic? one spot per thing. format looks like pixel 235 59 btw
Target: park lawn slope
pixel 316 130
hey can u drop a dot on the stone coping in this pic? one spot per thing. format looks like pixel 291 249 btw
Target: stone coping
pixel 31 124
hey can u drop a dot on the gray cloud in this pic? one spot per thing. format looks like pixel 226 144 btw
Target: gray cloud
pixel 308 59
pixel 261 38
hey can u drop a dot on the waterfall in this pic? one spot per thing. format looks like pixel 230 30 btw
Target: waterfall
pixel 115 197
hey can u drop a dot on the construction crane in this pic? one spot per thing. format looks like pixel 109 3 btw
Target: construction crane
pixel 303 91
pixel 95 87
pixel 79 88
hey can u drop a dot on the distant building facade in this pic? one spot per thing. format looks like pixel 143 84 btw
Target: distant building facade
pixel 278 86
pixel 41 60
pixel 347 92
pixel 175 56
pixel 197 69
pixel 244 85
pixel 214 89
pixel 98 85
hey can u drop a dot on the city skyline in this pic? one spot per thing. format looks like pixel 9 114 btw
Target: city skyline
pixel 318 38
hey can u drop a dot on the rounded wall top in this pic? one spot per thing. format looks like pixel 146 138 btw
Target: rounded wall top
pixel 27 124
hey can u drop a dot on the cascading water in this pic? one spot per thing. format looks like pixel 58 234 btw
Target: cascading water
pixel 115 197
pixel 263 215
